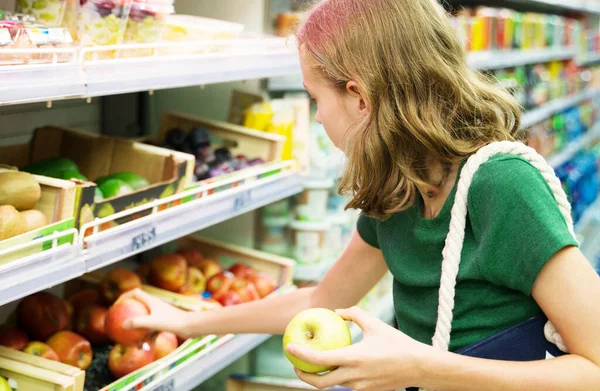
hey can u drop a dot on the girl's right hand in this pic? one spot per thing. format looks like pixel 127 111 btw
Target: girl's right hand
pixel 163 316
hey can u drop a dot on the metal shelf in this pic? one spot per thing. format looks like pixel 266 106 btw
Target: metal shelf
pixel 72 73
pixel 556 106
pixel 246 193
pixel 506 59
pixel 571 149
pixel 36 272
pixel 314 272
pixel 590 59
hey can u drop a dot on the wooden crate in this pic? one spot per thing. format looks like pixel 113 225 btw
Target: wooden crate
pixel 240 140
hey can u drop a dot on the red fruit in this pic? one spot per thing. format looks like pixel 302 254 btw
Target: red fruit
pixel 241 270
pixel 84 298
pixel 72 349
pixel 220 283
pixel 123 360
pixel 118 314
pixel 265 283
pixel 40 349
pixel 42 314
pixel 196 282
pixel 209 268
pixel 168 271
pixel 162 343
pixel 117 282
pixel 13 338
pixel 91 324
pixel 245 290
pixel 193 257
pixel 229 298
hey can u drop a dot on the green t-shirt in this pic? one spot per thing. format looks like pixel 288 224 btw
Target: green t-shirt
pixel 513 228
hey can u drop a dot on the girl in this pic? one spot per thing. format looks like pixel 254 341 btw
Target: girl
pixel 394 92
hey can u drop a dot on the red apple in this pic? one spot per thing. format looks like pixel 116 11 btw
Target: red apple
pixel 229 298
pixel 168 271
pixel 219 282
pixel 84 298
pixel 13 338
pixel 264 282
pixel 143 271
pixel 246 290
pixel 196 282
pixel 162 343
pixel 72 349
pixel 40 349
pixel 120 312
pixel 209 268
pixel 241 270
pixel 118 281
pixel 193 257
pixel 42 314
pixel 90 324
pixel 122 359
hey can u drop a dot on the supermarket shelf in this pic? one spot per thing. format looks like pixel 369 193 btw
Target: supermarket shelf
pixel 384 310
pixel 588 232
pixel 499 59
pixel 534 116
pixel 547 6
pixel 240 60
pixel 245 193
pixel 571 149
pixel 40 271
pixel 590 59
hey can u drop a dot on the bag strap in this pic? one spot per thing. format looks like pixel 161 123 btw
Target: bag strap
pixel 456 234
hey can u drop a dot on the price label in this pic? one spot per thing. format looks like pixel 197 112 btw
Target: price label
pixel 144 239
pixel 242 200
pixel 169 385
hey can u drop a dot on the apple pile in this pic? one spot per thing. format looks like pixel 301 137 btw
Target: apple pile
pixel 189 273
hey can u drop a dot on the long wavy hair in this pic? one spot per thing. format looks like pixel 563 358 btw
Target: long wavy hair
pixel 427 106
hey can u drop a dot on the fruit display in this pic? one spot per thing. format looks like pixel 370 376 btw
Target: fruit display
pixel 48 12
pixel 486 28
pixel 189 273
pixel 102 22
pixel 146 23
pixel 210 162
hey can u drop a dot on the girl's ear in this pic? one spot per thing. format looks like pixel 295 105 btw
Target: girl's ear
pixel 356 91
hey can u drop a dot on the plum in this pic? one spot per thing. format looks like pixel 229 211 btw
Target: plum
pixel 223 154
pixel 256 162
pixel 175 138
pixel 198 138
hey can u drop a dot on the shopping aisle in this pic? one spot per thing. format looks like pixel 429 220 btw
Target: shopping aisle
pixel 173 148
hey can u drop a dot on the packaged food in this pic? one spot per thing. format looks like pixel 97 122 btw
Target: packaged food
pixel 146 23
pixel 482 29
pixel 186 28
pixel 103 22
pixel 273 236
pixel 308 241
pixel 277 209
pixel 312 202
pixel 22 35
pixel 48 12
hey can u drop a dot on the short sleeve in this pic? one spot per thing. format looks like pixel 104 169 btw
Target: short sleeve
pixel 367 229
pixel 516 221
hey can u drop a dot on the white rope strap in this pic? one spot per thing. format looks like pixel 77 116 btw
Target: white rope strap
pixel 454 240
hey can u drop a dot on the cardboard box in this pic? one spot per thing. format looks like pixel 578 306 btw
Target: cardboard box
pixel 96 155
pixel 57 203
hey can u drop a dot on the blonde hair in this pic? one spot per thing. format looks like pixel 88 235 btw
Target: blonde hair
pixel 426 105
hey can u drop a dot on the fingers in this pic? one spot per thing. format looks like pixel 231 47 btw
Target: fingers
pixel 144 297
pixel 333 378
pixel 141 322
pixel 363 319
pixel 331 358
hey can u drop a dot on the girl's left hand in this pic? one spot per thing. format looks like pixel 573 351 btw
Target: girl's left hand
pixel 386 359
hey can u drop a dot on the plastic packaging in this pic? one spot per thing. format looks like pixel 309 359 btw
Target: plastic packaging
pixel 182 28
pixel 47 12
pixel 23 35
pixel 308 241
pixel 102 23
pixel 146 23
pixel 274 235
pixel 312 202
pixel 277 209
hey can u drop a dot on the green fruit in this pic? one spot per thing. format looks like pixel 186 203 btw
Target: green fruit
pixel 4 386
pixel 135 181
pixel 115 188
pixel 106 210
pixel 70 174
pixel 52 167
pixel 98 196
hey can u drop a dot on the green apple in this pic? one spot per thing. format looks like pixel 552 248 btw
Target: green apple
pixel 4 386
pixel 319 329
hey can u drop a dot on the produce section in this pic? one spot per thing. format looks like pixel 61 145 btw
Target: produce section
pixel 86 216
